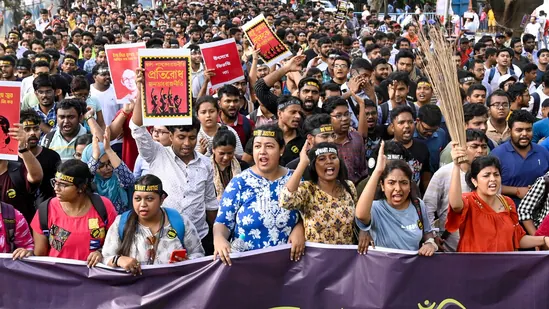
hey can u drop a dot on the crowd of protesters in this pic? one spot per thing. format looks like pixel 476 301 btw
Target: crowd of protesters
pixel 341 143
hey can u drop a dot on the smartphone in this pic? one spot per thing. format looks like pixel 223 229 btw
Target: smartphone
pixel 178 256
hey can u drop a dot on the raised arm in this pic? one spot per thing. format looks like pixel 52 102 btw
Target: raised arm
pixel 454 194
pixel 34 169
pixel 137 116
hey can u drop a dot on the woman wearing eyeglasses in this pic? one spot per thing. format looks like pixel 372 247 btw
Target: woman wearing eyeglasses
pixel 112 176
pixel 74 228
pixel 149 233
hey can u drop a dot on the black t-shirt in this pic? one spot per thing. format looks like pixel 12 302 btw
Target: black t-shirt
pixel 293 165
pixel 309 55
pixel 291 150
pixel 419 162
pixel 49 160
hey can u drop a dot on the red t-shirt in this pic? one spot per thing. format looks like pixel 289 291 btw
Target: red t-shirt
pixel 71 237
pixel 129 147
pixel 244 135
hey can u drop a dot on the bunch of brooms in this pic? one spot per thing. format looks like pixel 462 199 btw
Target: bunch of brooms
pixel 438 63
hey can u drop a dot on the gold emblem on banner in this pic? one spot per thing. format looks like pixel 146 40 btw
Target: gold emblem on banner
pixel 447 303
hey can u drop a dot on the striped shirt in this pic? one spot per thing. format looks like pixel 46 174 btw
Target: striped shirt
pixel 23 236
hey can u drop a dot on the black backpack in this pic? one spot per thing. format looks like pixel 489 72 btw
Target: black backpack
pixel 43 209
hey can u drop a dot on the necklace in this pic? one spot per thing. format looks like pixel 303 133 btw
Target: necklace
pixel 71 212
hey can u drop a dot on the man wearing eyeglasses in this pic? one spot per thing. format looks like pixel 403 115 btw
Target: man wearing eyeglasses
pixel 498 110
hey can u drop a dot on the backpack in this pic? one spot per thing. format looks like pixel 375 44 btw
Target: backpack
pixel 385 111
pixel 8 216
pixel 176 221
pixel 541 203
pixel 97 203
pixel 247 126
pixel 14 171
pixel 492 73
pixel 48 138
pixel 537 104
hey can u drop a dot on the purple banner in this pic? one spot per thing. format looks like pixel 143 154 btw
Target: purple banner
pixel 327 277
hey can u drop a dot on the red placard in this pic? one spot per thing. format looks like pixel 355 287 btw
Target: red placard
pixel 222 57
pixel 122 60
pixel 167 99
pixel 262 37
pixel 10 107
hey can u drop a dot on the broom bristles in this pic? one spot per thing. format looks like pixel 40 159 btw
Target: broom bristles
pixel 442 71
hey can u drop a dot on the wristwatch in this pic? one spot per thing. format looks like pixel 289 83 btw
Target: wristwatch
pixel 23 150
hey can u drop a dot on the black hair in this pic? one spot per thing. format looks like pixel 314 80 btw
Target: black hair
pixel 475 135
pixel 228 90
pixel 98 67
pixel 430 114
pixel 404 54
pixel 378 61
pixel 24 62
pixel 29 114
pixel 505 50
pixel 399 77
pixel 497 93
pixel 520 116
pixel 306 80
pixel 541 51
pixel 342 174
pixel 478 46
pixel 490 51
pixel 529 68
pixel 361 63
pixel 131 225
pixel 224 137
pixel 405 168
pixel 395 112
pixel 475 87
pixel 315 121
pixel 206 99
pixel 478 165
pixel 71 103
pixel 85 139
pixel 60 82
pixel 287 98
pixel 42 80
pixel 369 48
pixel 79 82
pixel 527 36
pixel 72 48
pixel 279 135
pixel 10 59
pixel 80 171
pixel 195 125
pixel 545 79
pixel 5 126
pixel 323 40
pixel 516 90
pixel 514 41
pixel 343 58
pixel 332 103
pixel 471 111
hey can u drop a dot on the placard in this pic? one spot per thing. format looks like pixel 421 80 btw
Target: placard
pixel 122 60
pixel 166 94
pixel 222 57
pixel 10 107
pixel 341 10
pixel 262 37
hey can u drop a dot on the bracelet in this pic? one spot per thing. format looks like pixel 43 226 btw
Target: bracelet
pixel 432 242
pixel 127 115
pixel 88 118
pixel 115 260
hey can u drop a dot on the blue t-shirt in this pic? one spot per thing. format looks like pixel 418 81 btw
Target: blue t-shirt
pixel 249 207
pixel 397 229
pixel 517 171
pixel 541 130
pixel 436 143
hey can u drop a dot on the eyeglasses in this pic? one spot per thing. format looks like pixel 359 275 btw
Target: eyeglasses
pixel 500 105
pixel 340 66
pixel 346 115
pixel 427 130
pixel 54 182
pixel 104 164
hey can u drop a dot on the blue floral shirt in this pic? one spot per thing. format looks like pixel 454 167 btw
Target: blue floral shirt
pixel 249 206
